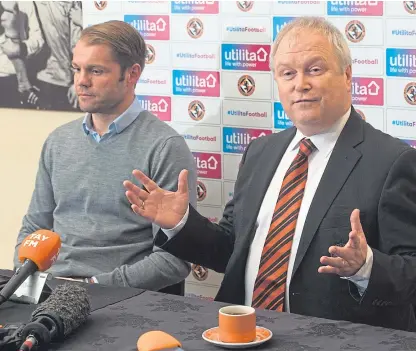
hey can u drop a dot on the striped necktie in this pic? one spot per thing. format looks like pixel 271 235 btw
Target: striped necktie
pixel 269 288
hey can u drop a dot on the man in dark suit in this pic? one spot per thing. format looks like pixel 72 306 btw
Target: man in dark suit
pixel 332 183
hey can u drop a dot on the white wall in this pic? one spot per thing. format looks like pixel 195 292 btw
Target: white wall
pixel 22 135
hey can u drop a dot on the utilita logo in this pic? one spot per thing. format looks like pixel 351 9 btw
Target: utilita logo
pixel 367 91
pixel 206 7
pixel 355 8
pixel 208 165
pixel 412 143
pixel 235 140
pixel 401 62
pixel 196 83
pixel 281 120
pixel 160 106
pixel 151 27
pixel 279 23
pixel 245 57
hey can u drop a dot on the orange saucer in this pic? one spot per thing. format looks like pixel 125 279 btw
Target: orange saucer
pixel 213 336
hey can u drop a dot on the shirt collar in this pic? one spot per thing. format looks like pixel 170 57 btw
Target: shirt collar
pixel 120 123
pixel 326 141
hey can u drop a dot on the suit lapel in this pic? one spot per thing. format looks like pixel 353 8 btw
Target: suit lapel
pixel 266 166
pixel 343 159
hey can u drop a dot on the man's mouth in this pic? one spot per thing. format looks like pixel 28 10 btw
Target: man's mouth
pixel 306 100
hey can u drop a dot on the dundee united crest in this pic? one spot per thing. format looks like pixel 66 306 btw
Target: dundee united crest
pixel 195 28
pixel 100 5
pixel 245 6
pixel 246 85
pixel 410 93
pixel 410 6
pixel 196 110
pixel 199 273
pixel 201 191
pixel 355 31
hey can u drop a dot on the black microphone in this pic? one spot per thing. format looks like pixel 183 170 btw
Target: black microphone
pixel 66 309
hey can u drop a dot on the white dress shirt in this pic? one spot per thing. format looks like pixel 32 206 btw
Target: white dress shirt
pixel 317 162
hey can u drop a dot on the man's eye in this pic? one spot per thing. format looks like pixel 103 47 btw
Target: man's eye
pixel 316 70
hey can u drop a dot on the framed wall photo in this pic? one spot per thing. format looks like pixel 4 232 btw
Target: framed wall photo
pixel 36 41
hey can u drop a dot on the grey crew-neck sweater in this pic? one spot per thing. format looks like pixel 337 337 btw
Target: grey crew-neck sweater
pixel 79 194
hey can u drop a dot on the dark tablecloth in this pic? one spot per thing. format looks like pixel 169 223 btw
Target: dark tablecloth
pixel 121 315
pixel 100 296
pixel 118 326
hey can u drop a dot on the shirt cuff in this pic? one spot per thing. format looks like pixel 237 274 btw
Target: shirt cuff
pixel 362 277
pixel 170 233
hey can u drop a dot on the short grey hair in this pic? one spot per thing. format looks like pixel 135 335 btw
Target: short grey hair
pixel 322 26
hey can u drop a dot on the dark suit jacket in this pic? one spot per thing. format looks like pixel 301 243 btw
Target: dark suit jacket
pixel 368 170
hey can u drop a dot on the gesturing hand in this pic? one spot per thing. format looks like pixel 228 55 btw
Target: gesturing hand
pixel 347 260
pixel 162 207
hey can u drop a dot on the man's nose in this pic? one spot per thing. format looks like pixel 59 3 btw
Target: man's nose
pixel 83 79
pixel 302 82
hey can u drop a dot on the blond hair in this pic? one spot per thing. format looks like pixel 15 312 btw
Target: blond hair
pixel 322 26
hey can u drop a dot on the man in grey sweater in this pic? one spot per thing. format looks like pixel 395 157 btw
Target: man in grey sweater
pixel 79 190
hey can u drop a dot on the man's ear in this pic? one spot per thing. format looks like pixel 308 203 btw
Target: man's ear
pixel 134 73
pixel 348 76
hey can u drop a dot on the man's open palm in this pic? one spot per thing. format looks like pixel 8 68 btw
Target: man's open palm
pixel 162 207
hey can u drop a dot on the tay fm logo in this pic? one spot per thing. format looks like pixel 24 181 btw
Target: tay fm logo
pixel 410 6
pixel 195 28
pixel 281 120
pixel 235 140
pixel 202 7
pixel 355 31
pixel 245 57
pixel 196 110
pixel 246 85
pixel 160 106
pixel 410 93
pixel 245 6
pixel 196 83
pixel 367 91
pixel 279 23
pixel 151 27
pixel 150 54
pixel 100 5
pixel 401 62
pixel 355 8
pixel 208 165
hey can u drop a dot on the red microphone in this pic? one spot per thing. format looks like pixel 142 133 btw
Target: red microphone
pixel 157 340
pixel 37 252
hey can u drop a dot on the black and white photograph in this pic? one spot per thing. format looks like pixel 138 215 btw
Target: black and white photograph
pixel 36 42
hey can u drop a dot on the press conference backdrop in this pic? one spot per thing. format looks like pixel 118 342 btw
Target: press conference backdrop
pixel 208 76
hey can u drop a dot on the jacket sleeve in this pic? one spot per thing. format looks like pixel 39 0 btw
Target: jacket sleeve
pixel 393 275
pixel 203 242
